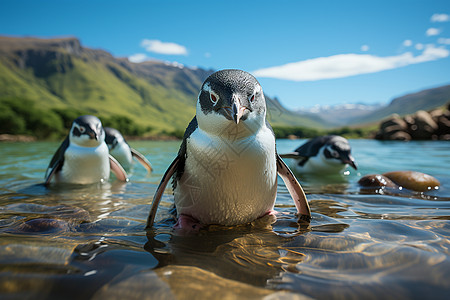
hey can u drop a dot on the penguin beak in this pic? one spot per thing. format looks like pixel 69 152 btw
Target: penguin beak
pixel 235 111
pixel 349 160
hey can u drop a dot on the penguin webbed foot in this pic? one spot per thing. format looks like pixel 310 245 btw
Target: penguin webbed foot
pixel 304 220
pixel 187 224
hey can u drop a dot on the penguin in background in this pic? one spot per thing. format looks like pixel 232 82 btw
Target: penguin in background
pixel 322 155
pixel 122 151
pixel 83 157
pixel 226 169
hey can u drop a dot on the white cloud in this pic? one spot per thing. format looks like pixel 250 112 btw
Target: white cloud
pixel 433 31
pixel 364 48
pixel 419 46
pixel 445 41
pixel 138 57
pixel 407 43
pixel 440 18
pixel 345 65
pixel 157 46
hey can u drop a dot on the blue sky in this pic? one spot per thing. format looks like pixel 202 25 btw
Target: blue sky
pixel 305 53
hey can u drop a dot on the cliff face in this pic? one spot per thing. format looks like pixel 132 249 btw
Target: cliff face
pixel 61 73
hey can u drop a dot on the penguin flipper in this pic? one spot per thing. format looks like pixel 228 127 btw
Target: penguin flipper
pixel 117 169
pixel 57 167
pixel 294 155
pixel 57 161
pixel 160 190
pixel 295 190
pixel 141 159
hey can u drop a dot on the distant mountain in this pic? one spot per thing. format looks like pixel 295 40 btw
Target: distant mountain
pixel 342 114
pixel 360 114
pixel 60 73
pixel 409 104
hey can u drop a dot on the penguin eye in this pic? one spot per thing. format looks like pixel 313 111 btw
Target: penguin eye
pixel 213 98
pixel 82 129
pixel 335 154
pixel 252 98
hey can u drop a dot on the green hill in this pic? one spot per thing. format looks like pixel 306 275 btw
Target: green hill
pixel 60 76
pixel 424 100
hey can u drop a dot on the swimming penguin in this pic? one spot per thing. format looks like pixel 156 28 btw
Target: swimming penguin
pixel 324 154
pixel 83 157
pixel 226 168
pixel 121 150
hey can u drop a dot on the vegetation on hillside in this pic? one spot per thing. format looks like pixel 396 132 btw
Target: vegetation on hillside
pixel 22 116
pixel 305 132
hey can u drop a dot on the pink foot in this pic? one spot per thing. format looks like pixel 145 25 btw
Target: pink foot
pixel 271 213
pixel 187 224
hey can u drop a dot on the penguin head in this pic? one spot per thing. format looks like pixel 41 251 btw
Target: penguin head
pixel 337 150
pixel 113 137
pixel 87 131
pixel 229 99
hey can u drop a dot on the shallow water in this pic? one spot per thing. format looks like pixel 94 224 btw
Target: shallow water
pixel 90 243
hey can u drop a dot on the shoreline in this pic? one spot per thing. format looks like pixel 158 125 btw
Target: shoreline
pixel 4 137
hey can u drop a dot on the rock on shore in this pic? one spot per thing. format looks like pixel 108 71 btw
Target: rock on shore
pixel 433 125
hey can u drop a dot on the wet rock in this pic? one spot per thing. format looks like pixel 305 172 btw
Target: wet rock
pixel 398 136
pixel 422 125
pixel 443 122
pixel 41 225
pixel 394 120
pixel 412 180
pixel 376 180
pixel 394 128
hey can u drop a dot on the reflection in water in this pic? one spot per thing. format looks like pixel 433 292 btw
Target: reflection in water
pixel 89 242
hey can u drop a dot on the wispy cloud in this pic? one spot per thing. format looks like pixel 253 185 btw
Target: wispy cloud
pixel 365 48
pixel 160 47
pixel 440 18
pixel 407 43
pixel 445 41
pixel 345 65
pixel 433 31
pixel 138 58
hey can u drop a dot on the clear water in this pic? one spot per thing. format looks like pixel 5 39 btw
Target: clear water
pixel 90 243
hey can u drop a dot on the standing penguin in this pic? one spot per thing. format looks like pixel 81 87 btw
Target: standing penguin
pixel 226 169
pixel 121 150
pixel 324 154
pixel 83 157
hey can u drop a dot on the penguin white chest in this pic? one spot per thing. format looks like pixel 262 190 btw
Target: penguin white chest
pixel 122 153
pixel 228 181
pixel 85 165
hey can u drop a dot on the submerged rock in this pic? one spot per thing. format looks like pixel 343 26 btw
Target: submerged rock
pixel 376 180
pixel 411 180
pixel 42 225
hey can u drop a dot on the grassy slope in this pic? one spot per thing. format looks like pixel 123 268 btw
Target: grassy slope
pixel 61 74
pixel 409 104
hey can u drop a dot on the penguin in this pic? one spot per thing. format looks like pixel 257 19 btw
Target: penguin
pixel 122 151
pixel 324 154
pixel 83 157
pixel 226 169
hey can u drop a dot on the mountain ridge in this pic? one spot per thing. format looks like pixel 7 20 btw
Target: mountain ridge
pixel 61 73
